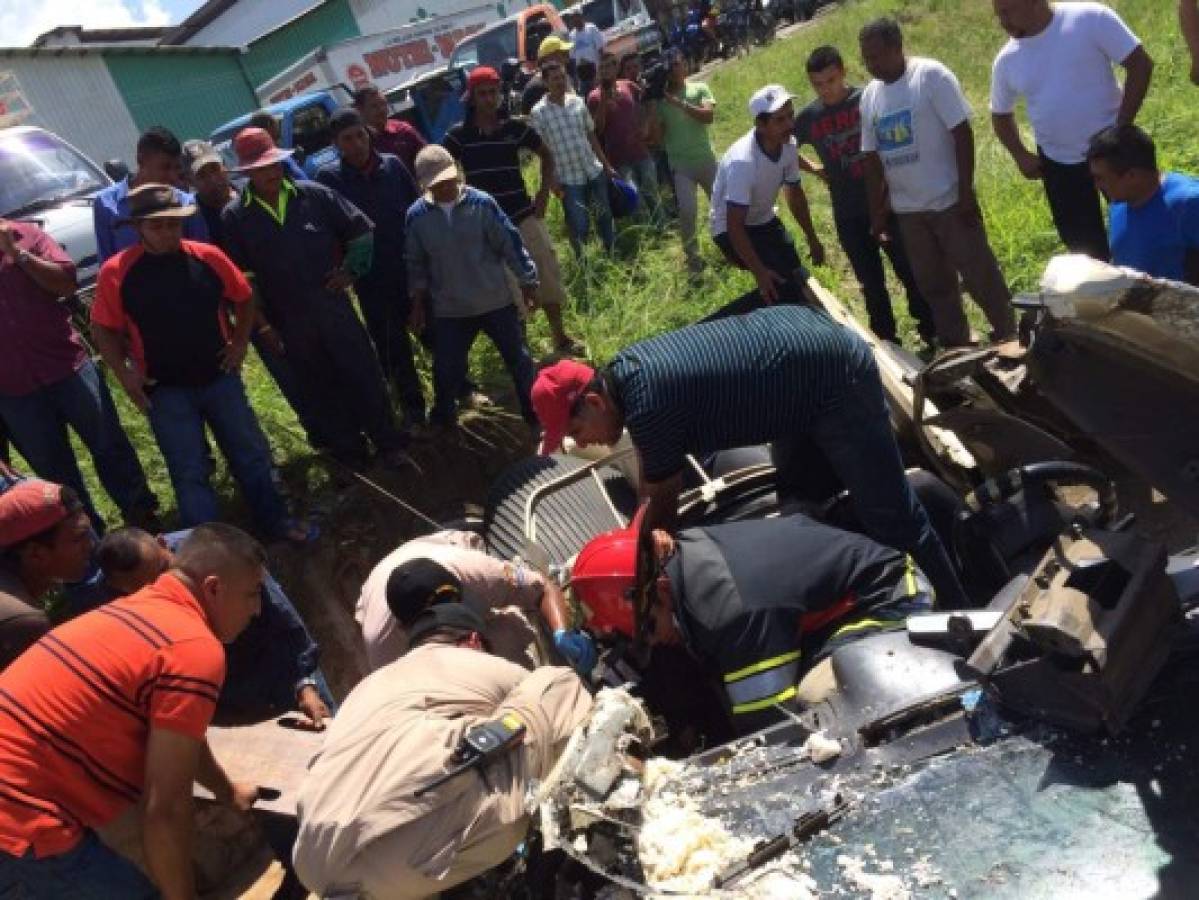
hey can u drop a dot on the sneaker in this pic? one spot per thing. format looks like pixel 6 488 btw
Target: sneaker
pixel 475 400
pixel 570 347
pixel 301 531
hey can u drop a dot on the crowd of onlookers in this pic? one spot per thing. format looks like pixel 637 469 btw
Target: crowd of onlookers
pixel 438 243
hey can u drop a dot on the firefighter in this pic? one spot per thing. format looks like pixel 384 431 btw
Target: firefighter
pixel 759 603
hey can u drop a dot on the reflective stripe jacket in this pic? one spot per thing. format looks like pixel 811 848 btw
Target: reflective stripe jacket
pixel 747 598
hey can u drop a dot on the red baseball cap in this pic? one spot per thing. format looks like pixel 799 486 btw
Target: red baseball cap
pixel 554 393
pixel 28 508
pixel 255 149
pixel 481 75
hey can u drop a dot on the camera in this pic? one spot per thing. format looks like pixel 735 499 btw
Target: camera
pixel 654 78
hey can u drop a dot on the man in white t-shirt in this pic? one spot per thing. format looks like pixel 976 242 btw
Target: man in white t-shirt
pixel 744 221
pixel 919 161
pixel 1060 60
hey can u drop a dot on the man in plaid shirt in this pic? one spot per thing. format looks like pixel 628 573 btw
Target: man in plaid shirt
pixel 562 120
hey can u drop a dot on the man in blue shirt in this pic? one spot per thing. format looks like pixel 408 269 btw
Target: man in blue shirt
pixel 380 186
pixel 159 161
pixel 1154 216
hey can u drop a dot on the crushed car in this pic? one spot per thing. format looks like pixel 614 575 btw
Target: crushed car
pixel 1038 744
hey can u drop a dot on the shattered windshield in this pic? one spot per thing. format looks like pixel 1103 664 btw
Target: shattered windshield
pixel 38 170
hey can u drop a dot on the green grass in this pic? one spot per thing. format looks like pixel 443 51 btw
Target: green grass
pixel 645 289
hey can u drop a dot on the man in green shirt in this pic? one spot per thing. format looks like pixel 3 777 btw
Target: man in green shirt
pixel 684 117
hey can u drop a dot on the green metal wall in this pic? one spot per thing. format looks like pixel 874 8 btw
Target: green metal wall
pixel 326 24
pixel 191 94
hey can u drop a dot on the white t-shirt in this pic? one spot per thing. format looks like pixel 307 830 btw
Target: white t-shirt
pixel 1065 73
pixel 748 177
pixel 588 44
pixel 908 124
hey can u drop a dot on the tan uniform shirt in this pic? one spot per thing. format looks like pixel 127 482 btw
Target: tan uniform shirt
pixel 361 830
pixel 507 595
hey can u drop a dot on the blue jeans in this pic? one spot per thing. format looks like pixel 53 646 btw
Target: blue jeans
pixel 178 416
pixel 856 438
pixel 37 423
pixel 644 174
pixel 88 871
pixel 578 202
pixel 452 340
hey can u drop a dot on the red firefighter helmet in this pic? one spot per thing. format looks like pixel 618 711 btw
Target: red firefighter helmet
pixel 605 579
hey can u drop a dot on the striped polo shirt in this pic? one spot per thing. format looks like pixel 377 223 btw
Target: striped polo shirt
pixel 491 161
pixel 76 710
pixel 735 382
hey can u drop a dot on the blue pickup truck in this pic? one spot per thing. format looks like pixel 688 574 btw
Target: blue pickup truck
pixel 431 102
pixel 304 125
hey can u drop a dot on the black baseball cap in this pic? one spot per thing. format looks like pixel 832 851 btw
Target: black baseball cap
pixel 417 584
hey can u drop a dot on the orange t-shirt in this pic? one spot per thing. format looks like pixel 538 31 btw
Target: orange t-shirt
pixel 77 707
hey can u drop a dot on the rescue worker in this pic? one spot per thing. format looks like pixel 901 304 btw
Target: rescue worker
pixel 759 603
pixel 361 830
pixel 452 565
pixel 787 374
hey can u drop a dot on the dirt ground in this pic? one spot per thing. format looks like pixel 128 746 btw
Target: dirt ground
pixel 360 525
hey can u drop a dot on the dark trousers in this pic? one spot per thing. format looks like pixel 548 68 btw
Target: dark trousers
pixel 340 377
pixel 1074 203
pixel 856 438
pixel 866 257
pixel 386 306
pixel 453 338
pixel 283 373
pixel 777 252
pixel 178 416
pixel 37 423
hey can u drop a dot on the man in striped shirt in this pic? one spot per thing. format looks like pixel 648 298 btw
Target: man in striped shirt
pixel 110 710
pixel 487 146
pixel 784 374
pixel 562 120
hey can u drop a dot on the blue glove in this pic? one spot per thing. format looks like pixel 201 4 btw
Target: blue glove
pixel 577 648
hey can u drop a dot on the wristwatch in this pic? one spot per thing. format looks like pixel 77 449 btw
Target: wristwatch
pixel 309 681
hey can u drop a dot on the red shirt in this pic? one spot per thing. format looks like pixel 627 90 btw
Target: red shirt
pixel 621 137
pixel 399 139
pixel 38 344
pixel 76 710
pixel 171 308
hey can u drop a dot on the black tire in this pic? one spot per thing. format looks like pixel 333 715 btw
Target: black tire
pixel 566 520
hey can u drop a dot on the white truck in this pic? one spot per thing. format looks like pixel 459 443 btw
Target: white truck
pixel 387 59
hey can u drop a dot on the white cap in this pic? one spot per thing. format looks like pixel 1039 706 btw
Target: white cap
pixel 769 99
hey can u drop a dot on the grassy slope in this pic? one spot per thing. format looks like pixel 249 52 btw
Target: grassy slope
pixel 646 290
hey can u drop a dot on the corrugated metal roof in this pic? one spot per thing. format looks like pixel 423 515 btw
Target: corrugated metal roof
pixel 189 98
pixel 12 52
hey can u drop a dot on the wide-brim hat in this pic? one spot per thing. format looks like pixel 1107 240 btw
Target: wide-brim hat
pixel 156 201
pixel 255 149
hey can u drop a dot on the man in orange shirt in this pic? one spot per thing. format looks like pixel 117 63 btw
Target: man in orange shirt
pixel 110 710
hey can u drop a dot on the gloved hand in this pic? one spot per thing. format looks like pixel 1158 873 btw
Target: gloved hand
pixel 577 648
